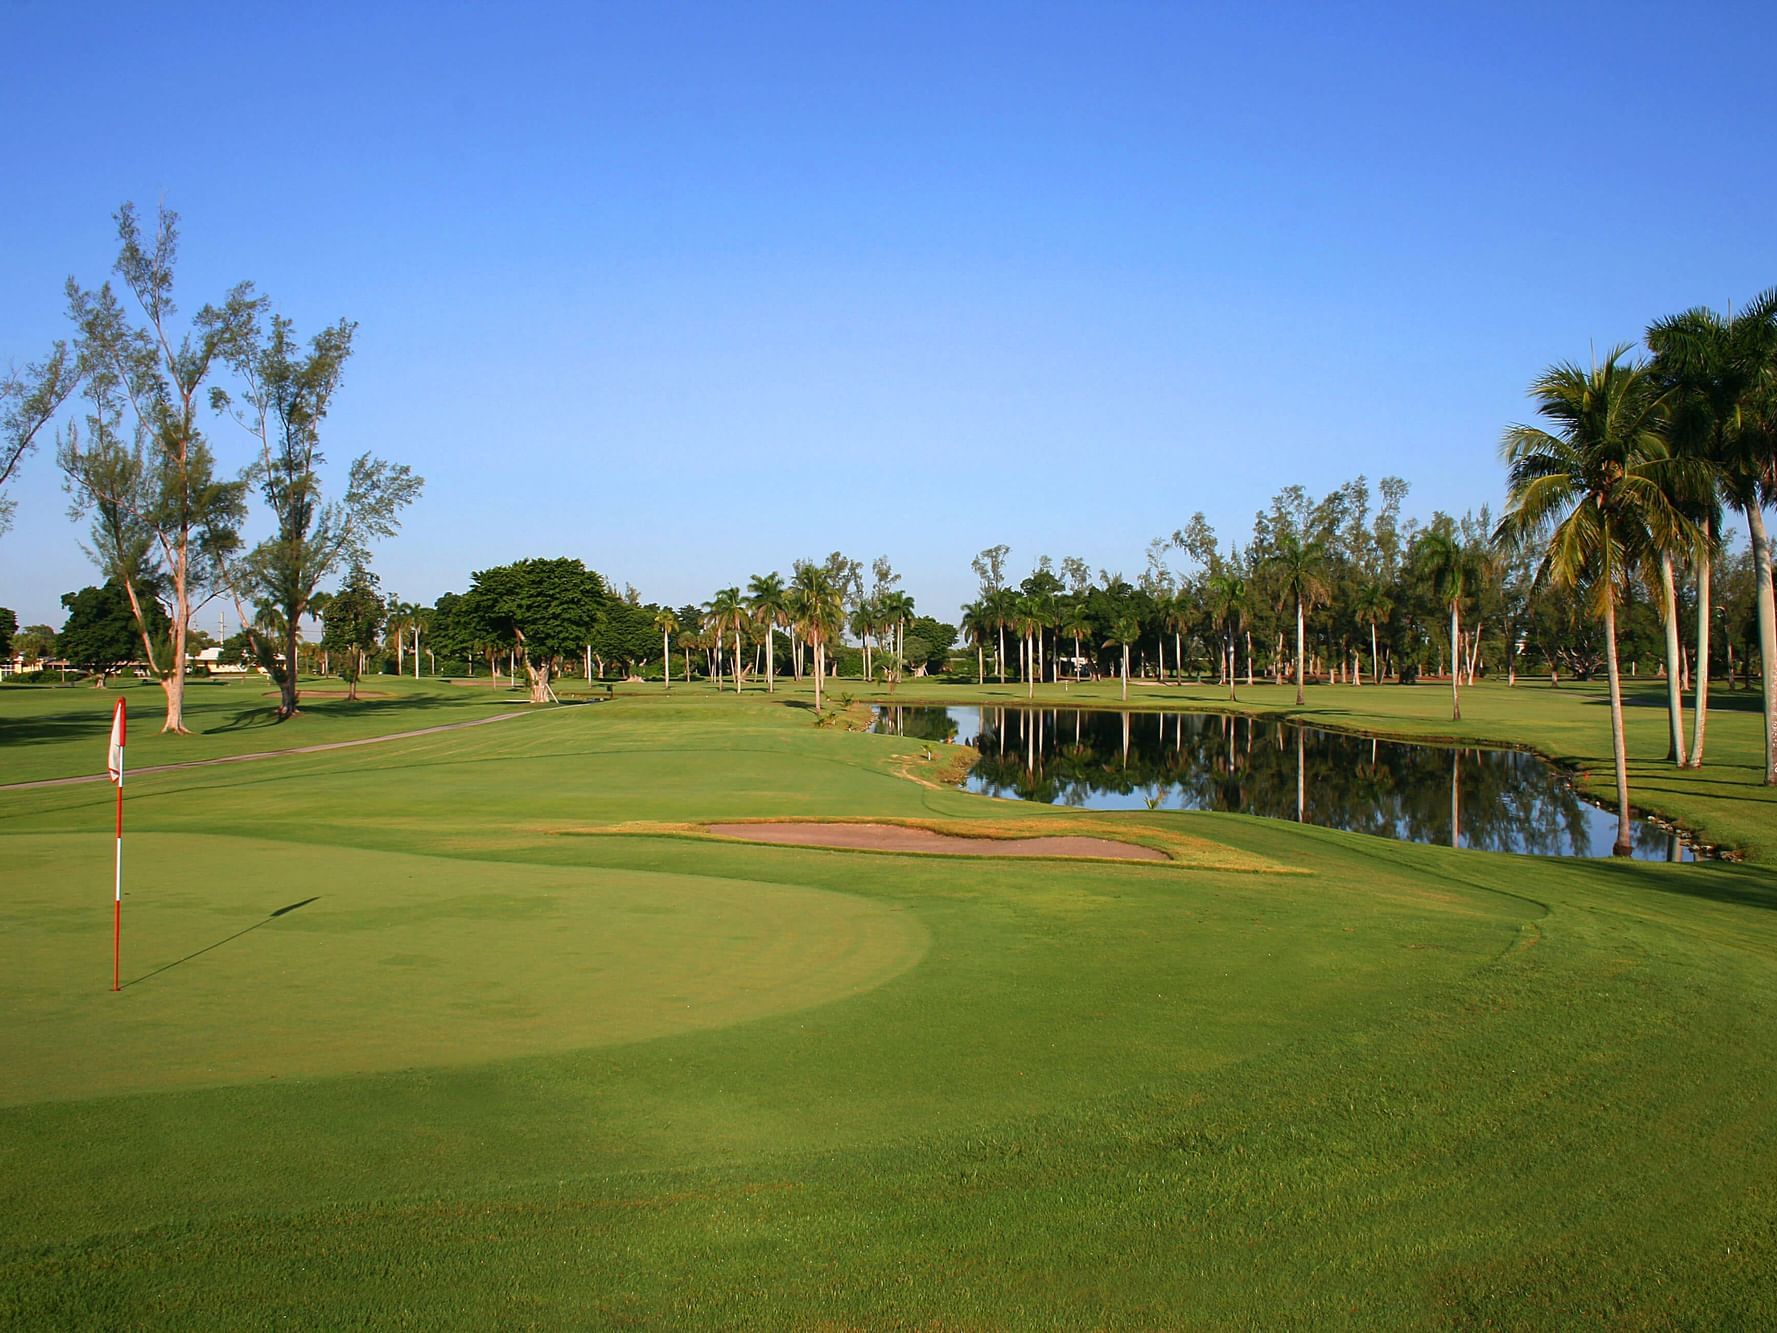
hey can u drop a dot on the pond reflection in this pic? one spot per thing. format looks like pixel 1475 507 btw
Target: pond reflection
pixel 1499 800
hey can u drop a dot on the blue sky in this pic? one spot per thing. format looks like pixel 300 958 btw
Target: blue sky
pixel 689 291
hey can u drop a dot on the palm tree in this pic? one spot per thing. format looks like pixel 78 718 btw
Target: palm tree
pixel 1000 606
pixel 400 620
pixel 725 612
pixel 1449 567
pixel 421 621
pixel 1230 604
pixel 1027 619
pixel 1371 607
pixel 1589 493
pixel 820 606
pixel 865 618
pixel 1300 570
pixel 1125 629
pixel 1177 612
pixel 896 609
pixel 668 625
pixel 1721 370
pixel 767 599
pixel 1076 623
pixel 976 624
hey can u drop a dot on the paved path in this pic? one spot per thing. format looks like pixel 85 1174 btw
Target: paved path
pixel 264 754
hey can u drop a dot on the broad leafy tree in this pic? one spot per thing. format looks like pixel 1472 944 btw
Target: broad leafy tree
pixel 547 609
pixel 99 634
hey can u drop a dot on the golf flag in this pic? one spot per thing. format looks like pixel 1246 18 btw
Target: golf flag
pixel 114 758
pixel 114 770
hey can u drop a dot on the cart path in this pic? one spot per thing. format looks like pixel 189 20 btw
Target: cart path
pixel 265 754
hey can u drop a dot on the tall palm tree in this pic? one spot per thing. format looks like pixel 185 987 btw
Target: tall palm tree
pixel 668 625
pixel 866 618
pixel 400 620
pixel 894 610
pixel 1589 493
pixel 1027 619
pixel 1001 604
pixel 1230 603
pixel 420 622
pixel 820 606
pixel 726 612
pixel 766 599
pixel 976 624
pixel 1177 612
pixel 1300 570
pixel 1125 630
pixel 1372 607
pixel 1449 567
pixel 1075 622
pixel 1721 370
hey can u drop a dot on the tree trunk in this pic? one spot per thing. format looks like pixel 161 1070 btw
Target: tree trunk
pixel 1455 662
pixel 820 670
pixel 1126 673
pixel 1703 593
pixel 999 661
pixel 737 659
pixel 980 664
pixel 539 681
pixel 666 660
pixel 1301 696
pixel 1230 663
pixel 1674 690
pixel 1767 635
pixel 1624 844
pixel 287 698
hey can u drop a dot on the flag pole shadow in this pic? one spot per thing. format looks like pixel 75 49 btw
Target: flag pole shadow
pixel 229 939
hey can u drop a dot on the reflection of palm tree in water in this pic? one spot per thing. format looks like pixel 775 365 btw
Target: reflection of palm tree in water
pixel 1456 798
pixel 1484 799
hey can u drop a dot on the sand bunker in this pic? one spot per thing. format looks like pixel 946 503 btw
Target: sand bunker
pixel 896 838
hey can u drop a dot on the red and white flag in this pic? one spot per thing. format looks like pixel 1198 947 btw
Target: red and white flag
pixel 114 757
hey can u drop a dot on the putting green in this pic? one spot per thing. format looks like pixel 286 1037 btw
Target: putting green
pixel 364 961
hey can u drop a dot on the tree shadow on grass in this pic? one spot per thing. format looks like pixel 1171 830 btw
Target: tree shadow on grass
pixel 247 719
pixel 247 930
pixel 1716 881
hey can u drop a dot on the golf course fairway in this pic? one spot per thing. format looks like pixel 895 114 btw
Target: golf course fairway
pixel 477 1027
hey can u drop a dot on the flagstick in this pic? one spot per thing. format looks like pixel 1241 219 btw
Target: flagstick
pixel 117 901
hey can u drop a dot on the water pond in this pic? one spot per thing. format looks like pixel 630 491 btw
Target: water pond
pixel 1500 800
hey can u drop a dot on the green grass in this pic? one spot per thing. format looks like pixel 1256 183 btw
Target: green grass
pixel 493 1071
